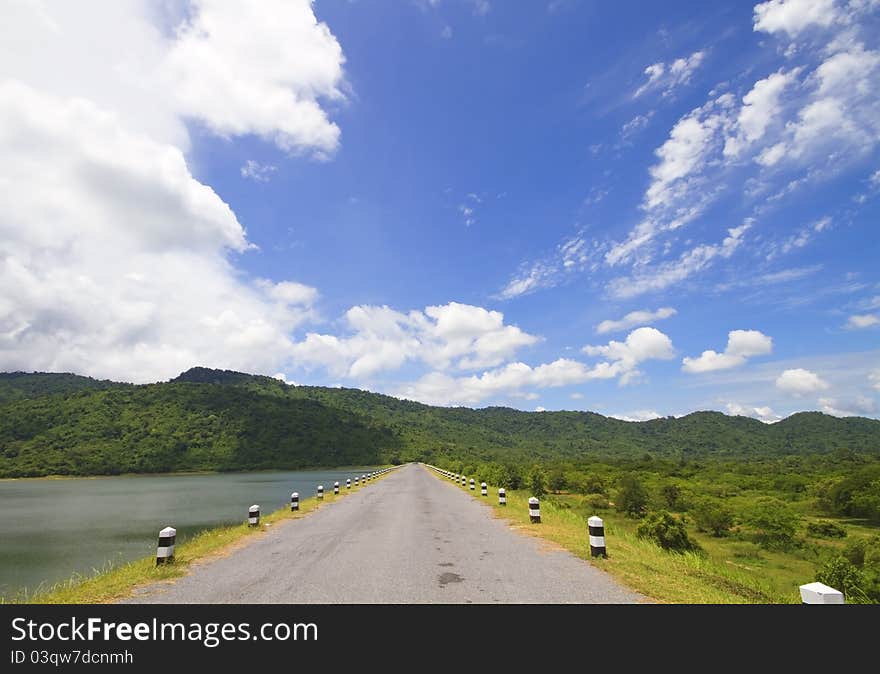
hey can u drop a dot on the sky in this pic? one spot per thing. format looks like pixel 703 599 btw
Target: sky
pixel 638 209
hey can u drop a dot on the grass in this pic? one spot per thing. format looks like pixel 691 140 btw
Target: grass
pixel 661 576
pixel 113 583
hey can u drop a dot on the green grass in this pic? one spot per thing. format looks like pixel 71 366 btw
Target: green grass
pixel 114 583
pixel 662 576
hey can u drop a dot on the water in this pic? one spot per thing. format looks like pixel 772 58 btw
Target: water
pixel 51 529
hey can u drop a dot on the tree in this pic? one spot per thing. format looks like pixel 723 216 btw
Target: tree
pixel 537 481
pixel 666 530
pixel 671 493
pixel 632 499
pixel 556 480
pixel 841 574
pixel 773 522
pixel 712 516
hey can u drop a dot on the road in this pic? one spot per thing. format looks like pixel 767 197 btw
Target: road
pixel 407 538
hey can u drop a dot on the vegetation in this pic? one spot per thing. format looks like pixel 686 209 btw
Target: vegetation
pixel 750 510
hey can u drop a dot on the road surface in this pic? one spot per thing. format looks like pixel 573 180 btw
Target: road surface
pixel 407 538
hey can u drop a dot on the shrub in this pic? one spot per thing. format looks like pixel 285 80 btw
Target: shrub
pixel 537 481
pixel 842 575
pixel 632 499
pixel 596 501
pixel 746 550
pixel 667 531
pixel 671 494
pixel 773 524
pixel 713 517
pixel 825 529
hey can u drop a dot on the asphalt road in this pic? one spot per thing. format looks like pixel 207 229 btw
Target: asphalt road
pixel 407 538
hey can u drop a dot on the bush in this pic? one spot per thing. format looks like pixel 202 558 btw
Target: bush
pixel 842 575
pixel 745 550
pixel 773 524
pixel 825 529
pixel 537 481
pixel 713 517
pixel 556 480
pixel 667 531
pixel 632 499
pixel 671 493
pixel 596 501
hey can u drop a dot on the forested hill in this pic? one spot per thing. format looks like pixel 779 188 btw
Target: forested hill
pixel 217 419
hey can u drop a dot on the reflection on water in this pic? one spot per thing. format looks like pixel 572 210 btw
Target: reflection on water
pixel 51 529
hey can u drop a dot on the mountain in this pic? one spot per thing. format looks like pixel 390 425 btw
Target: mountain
pixel 208 419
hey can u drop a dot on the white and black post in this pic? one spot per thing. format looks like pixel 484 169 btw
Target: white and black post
pixel 472 484
pixel 336 489
pixel 294 501
pixel 597 537
pixel 484 489
pixel 502 497
pixel 320 492
pixel 165 549
pixel 355 481
pixel 254 516
pixel 348 483
pixel 534 510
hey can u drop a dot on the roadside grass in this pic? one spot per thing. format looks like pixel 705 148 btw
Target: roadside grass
pixel 664 577
pixel 112 583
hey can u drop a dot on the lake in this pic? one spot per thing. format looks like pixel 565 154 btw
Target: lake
pixel 51 529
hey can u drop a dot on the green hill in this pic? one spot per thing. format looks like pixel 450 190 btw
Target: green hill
pixel 222 420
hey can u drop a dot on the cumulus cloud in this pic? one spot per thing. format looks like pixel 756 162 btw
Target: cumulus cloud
pixel 259 173
pixel 741 345
pixel 794 16
pixel 859 406
pixel 799 382
pixel 453 335
pixel 620 361
pixel 860 321
pixel 635 318
pixel 765 414
pixel 114 258
pixel 666 77
pixel 638 415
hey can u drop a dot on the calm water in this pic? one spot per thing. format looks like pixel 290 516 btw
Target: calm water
pixel 51 529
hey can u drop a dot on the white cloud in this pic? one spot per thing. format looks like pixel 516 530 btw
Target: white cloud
pixel 860 406
pixel 258 68
pixel 540 409
pixel 577 396
pixel 874 379
pixel 794 16
pixel 799 382
pixel 621 360
pixel 481 7
pixel 859 321
pixel 765 414
pixel 254 170
pixel 114 259
pixel 634 318
pixel 453 335
pixel 638 415
pixel 741 345
pixel 760 107
pixel 649 279
pixel 635 125
pixel 666 77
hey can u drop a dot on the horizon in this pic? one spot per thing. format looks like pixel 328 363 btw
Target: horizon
pixel 558 205
pixel 476 409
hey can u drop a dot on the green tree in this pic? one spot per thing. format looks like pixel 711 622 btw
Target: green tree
pixel 712 516
pixel 537 481
pixel 666 530
pixel 632 498
pixel 842 574
pixel 773 523
pixel 556 480
pixel 671 494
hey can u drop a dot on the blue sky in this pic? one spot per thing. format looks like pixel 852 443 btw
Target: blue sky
pixel 639 209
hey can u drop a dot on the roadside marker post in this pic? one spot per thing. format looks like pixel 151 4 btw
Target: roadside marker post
pixel 320 492
pixel 348 483
pixel 294 501
pixel 597 536
pixel 819 593
pixel 534 510
pixel 502 497
pixel 336 489
pixel 484 490
pixel 254 516
pixel 165 549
